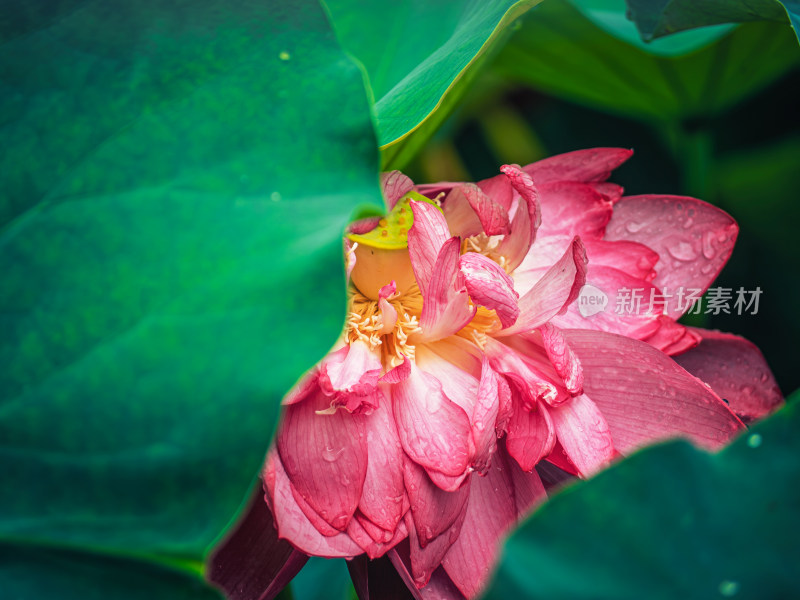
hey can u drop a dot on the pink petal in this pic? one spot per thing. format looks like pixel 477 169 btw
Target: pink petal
pixel 434 430
pixel 492 215
pixel 694 239
pixel 594 164
pixel 375 549
pixel 252 562
pixel 736 370
pixel 499 189
pixel 433 509
pixel 563 358
pixel 645 396
pixel 484 417
pixel 554 292
pixel 457 370
pixel 572 208
pixel 529 491
pixel 530 435
pixel 425 238
pixel 445 308
pixel 632 258
pixel 610 191
pixel 491 512
pixel 353 369
pixel 515 245
pixel 672 338
pixel 489 285
pixel 293 525
pixel 399 373
pixel 621 313
pixel 461 217
pixel 395 185
pixel 325 457
pixel 583 433
pixel 425 560
pixel 382 494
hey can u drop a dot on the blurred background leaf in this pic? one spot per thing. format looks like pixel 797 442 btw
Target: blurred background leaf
pixel 419 58
pixel 656 18
pixel 670 522
pixel 170 218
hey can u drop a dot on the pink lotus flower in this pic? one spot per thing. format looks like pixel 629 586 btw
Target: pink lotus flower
pixel 466 367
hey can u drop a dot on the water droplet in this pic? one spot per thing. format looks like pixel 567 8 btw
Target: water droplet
pixel 634 227
pixel 688 223
pixel 708 245
pixel 331 455
pixel 729 588
pixel 284 55
pixel 682 250
pixel 754 441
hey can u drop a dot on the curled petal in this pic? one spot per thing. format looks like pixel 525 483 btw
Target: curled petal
pixel 395 185
pixel 515 245
pixel 530 435
pixel 353 369
pixel 484 417
pixel 469 211
pixel 567 365
pixel 593 164
pixel 434 510
pixel 572 208
pixel 554 292
pixel 490 286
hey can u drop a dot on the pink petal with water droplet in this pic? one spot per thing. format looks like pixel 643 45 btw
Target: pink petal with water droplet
pixel 382 494
pixel 693 238
pixel 583 433
pixel 425 239
pixel 434 510
pixel 484 417
pixel 530 436
pixel 491 512
pixel 563 358
pixel 572 208
pixel 593 164
pixel 375 549
pixel 489 285
pixel 325 457
pixel 672 338
pixel 395 185
pixel 425 560
pixel 633 258
pixel 527 218
pixel 433 429
pixel 645 396
pixel 445 308
pixel 553 293
pixel 293 525
pixel 736 370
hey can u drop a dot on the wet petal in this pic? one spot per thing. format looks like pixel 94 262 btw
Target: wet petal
pixel 434 510
pixel 573 208
pixel 645 396
pixel 531 435
pixel 325 457
pixel 491 512
pixel 382 494
pixel 694 239
pixel 484 417
pixel 445 308
pixel 293 525
pixel 554 292
pixel 593 164
pixel 425 239
pixel 583 433
pixel 736 370
pixel 563 358
pixel 515 245
pixel 353 369
pixel 489 285
pixel 433 429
